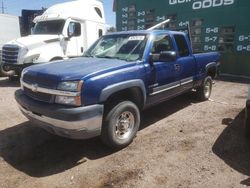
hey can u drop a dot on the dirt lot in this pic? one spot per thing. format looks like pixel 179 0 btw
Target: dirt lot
pixel 182 143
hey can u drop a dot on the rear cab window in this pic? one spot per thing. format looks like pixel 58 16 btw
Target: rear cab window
pixel 182 45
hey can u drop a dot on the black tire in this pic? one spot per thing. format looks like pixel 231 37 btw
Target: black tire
pixel 205 90
pixel 122 117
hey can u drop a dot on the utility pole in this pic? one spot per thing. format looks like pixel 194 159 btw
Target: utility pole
pixel 3 7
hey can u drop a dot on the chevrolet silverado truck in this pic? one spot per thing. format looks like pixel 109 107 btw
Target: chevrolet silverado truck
pixel 121 74
pixel 247 122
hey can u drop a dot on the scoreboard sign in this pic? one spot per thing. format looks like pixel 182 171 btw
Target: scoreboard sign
pixel 202 4
pixel 215 25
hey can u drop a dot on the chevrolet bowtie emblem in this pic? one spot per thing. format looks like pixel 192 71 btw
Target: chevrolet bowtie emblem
pixel 34 87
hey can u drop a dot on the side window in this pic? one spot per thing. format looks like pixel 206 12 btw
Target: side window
pixel 76 28
pixel 182 45
pixel 98 11
pixel 161 43
pixel 100 33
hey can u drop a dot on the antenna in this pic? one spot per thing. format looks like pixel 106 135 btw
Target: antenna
pixel 158 25
pixel 3 7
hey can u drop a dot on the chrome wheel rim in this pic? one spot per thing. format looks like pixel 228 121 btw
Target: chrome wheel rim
pixel 124 125
pixel 207 89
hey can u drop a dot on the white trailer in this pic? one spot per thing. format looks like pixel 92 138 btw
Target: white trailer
pixel 63 31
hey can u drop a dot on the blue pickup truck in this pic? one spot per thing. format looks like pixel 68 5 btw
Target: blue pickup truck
pixel 247 122
pixel 104 92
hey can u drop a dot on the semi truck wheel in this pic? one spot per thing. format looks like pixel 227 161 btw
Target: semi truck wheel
pixel 121 125
pixel 205 90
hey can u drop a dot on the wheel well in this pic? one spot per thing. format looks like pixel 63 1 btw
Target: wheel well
pixel 134 95
pixel 56 58
pixel 212 72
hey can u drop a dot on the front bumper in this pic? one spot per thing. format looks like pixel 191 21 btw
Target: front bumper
pixel 11 69
pixel 74 123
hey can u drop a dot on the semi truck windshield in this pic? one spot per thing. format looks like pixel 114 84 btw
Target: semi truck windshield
pixel 53 27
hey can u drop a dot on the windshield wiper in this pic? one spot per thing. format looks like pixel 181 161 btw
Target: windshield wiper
pixel 110 57
pixel 88 55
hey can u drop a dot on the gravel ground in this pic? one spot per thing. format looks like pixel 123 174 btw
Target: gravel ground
pixel 182 143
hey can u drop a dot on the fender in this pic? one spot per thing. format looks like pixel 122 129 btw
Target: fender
pixel 211 65
pixel 108 91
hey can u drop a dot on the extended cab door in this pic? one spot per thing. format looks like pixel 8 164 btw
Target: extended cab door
pixel 163 78
pixel 185 62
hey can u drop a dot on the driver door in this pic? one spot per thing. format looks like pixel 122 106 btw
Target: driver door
pixel 163 77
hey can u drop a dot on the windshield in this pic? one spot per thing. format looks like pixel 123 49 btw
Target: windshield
pixel 54 27
pixel 125 47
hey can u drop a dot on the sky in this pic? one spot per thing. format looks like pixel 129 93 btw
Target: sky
pixel 14 7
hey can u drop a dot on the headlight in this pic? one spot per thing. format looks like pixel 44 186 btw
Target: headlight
pixel 74 101
pixel 71 86
pixel 32 58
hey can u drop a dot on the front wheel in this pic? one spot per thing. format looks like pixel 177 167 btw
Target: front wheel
pixel 205 90
pixel 121 124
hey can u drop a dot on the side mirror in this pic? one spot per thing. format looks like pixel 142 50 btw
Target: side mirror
pixel 165 56
pixel 71 30
pixel 32 30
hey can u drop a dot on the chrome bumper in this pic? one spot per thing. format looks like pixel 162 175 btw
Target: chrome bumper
pixel 88 126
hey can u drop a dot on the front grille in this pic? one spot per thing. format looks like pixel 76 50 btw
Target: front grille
pixel 45 81
pixel 39 96
pixel 10 53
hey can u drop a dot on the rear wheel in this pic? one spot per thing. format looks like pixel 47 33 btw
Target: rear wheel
pixel 120 124
pixel 205 90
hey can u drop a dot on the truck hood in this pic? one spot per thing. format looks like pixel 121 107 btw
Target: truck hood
pixel 32 40
pixel 77 68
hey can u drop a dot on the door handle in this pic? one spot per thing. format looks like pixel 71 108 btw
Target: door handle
pixel 177 66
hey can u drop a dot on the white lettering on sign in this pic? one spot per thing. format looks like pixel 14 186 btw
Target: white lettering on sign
pixel 125 16
pixel 124 28
pixel 125 9
pixel 159 18
pixel 212 30
pixel 140 21
pixel 241 48
pixel 136 38
pixel 184 23
pixel 142 13
pixel 243 38
pixel 210 48
pixel 203 4
pixel 140 27
pixel 125 22
pixel 211 39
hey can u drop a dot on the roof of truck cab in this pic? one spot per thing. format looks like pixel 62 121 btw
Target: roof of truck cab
pixel 78 9
pixel 146 32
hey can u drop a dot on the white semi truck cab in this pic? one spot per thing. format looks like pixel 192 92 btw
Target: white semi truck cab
pixel 64 31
